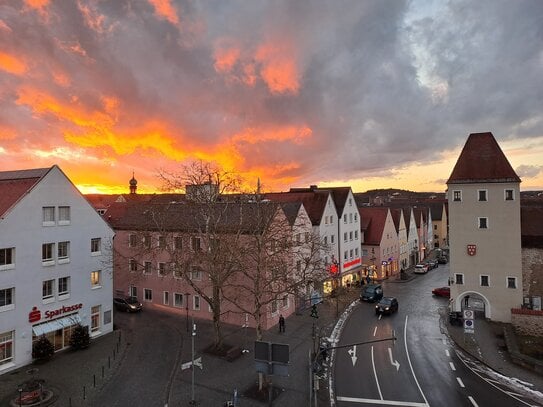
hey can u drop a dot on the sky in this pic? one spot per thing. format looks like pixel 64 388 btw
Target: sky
pixel 371 94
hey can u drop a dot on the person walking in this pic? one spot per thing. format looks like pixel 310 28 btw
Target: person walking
pixel 466 301
pixel 281 323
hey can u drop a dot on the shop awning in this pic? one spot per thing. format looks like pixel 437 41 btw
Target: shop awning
pixel 55 324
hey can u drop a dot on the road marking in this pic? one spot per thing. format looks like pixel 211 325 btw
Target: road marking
pixel 451 364
pixel 352 352
pixel 380 316
pixel 375 374
pixel 447 353
pixel 473 401
pixel 375 331
pixel 392 361
pixel 409 360
pixel 460 382
pixel 382 402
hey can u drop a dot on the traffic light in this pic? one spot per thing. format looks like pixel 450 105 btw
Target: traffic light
pixel 314 313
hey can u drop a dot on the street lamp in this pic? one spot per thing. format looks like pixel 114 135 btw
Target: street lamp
pixel 187 295
pixel 20 390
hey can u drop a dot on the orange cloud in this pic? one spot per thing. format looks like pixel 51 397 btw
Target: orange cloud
pixel 12 64
pixel 278 69
pixel 37 4
pixel 225 59
pixel 285 133
pixel 165 10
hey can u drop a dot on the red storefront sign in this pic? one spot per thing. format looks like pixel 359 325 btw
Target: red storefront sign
pixel 35 314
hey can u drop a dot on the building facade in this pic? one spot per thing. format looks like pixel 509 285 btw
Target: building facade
pixel 55 264
pixel 484 230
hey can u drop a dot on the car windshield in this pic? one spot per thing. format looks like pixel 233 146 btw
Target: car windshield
pixel 132 300
pixel 386 301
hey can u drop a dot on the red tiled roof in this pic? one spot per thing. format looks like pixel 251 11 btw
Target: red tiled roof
pixel 16 184
pixel 375 218
pixel 482 160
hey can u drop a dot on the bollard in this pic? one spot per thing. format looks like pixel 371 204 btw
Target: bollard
pixel 84 393
pixel 102 372
pixel 108 362
pixel 93 380
pixel 117 346
pixel 113 354
pixel 69 402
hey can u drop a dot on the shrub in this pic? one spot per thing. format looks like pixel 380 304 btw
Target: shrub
pixel 80 338
pixel 42 349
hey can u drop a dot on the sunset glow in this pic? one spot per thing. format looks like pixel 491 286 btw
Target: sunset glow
pixel 369 94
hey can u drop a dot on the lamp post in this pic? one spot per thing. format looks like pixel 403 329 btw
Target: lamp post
pixel 20 390
pixel 193 401
pixel 187 295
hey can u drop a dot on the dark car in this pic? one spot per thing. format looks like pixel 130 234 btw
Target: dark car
pixel 128 304
pixel 387 305
pixel 442 292
pixel 433 264
pixel 442 260
pixel 371 292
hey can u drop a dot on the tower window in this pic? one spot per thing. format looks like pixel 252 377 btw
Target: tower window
pixel 482 195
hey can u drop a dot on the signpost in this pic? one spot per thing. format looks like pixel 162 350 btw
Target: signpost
pixel 468 321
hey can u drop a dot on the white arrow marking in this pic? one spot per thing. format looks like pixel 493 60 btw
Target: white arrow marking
pixel 392 361
pixel 197 362
pixel 352 352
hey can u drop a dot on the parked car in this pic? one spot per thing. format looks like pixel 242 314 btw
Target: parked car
pixel 442 292
pixel 387 305
pixel 421 269
pixel 371 293
pixel 432 264
pixel 442 260
pixel 128 304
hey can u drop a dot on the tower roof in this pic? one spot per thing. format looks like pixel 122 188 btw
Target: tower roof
pixel 482 160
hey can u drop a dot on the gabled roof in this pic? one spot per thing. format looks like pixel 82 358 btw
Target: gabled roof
pixel 482 160
pixel 314 202
pixel 291 210
pixel 436 210
pixel 396 214
pixel 14 185
pixel 373 221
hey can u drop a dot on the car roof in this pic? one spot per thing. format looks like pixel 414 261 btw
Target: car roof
pixel 388 298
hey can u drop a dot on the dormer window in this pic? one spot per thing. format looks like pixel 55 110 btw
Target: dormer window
pixel 482 195
pixel 457 196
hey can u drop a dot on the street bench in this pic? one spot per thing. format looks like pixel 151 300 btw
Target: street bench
pixel 233 353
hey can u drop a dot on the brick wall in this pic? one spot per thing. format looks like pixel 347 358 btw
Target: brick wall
pixel 527 322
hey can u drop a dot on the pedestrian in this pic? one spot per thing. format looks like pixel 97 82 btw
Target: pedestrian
pixel 466 301
pixel 281 323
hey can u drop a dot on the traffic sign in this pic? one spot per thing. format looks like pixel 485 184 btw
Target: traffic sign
pixel 469 326
pixel 468 314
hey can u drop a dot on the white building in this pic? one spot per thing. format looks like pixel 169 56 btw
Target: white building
pixel 484 230
pixel 55 264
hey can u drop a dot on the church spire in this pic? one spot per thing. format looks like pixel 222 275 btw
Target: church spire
pixel 133 183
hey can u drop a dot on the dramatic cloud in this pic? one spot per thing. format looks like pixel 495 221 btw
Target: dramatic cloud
pixel 367 93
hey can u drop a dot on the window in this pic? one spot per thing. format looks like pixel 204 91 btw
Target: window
pixel 307 237
pixel 63 250
pixel 63 215
pixel 435 227
pixel 332 239
pixel 63 286
pixel 356 235
pixel 133 291
pixel 96 245
pixel 132 240
pixel 457 196
pixel 351 236
pixel 511 282
pixel 350 218
pixel 196 273
pixel 162 242
pixel 285 301
pixel 356 251
pixel 195 244
pixel 355 217
pixel 96 278
pixel 6 347
pixel 509 195
pixel 175 270
pixel 325 239
pixel 47 289
pixel 484 281
pixel 178 243
pixel 161 269
pixel 7 258
pixel 132 265
pixel 166 298
pixel 146 241
pixel 345 218
pixel 95 319
pixel 483 223
pixel 177 300
pixel 331 219
pixel 196 302
pixel 459 279
pixel 351 253
pixel 147 294
pixel 481 195
pixel 147 267
pixel 274 307
pixel 345 236
pixel 107 317
pixel 298 266
pixel 48 215
pixel 7 299
pixel 47 250
pixel 345 255
pixel 350 202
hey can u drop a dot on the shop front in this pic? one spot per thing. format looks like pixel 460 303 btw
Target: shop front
pixel 57 325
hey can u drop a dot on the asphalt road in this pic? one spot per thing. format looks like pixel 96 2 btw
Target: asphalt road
pixel 420 368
